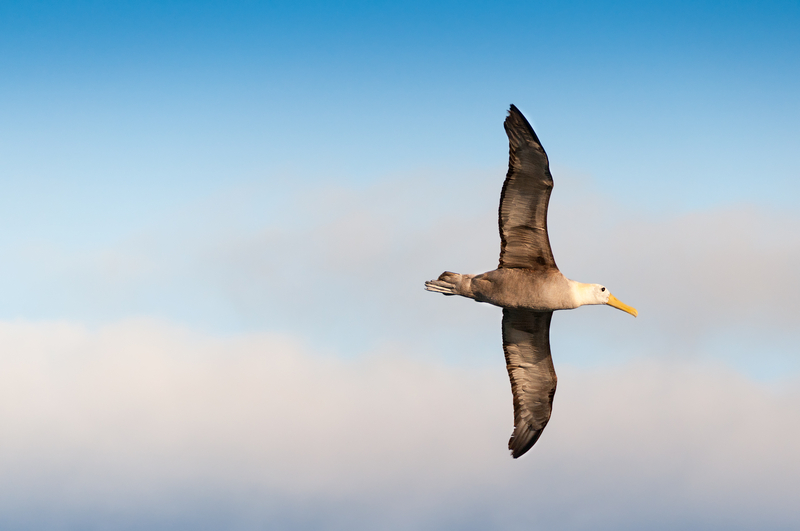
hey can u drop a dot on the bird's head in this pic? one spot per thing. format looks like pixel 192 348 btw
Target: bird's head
pixel 598 294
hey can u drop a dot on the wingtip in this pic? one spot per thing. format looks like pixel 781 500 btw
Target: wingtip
pixel 520 443
pixel 516 453
pixel 519 129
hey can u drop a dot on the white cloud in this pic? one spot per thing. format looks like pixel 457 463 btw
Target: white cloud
pixel 143 422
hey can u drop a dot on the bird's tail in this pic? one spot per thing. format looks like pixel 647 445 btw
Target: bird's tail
pixel 448 283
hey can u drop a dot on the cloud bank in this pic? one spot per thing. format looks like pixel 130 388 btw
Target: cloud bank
pixel 327 390
pixel 146 424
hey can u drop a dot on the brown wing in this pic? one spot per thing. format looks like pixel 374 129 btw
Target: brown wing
pixel 523 201
pixel 526 342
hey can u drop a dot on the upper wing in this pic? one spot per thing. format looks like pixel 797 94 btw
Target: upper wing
pixel 523 201
pixel 526 342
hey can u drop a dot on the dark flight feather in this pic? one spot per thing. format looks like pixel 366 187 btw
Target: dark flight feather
pixel 523 202
pixel 526 343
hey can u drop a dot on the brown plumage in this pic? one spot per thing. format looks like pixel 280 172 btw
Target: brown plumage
pixel 524 199
pixel 527 283
pixel 526 343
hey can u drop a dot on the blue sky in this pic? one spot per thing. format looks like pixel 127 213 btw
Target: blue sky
pixel 205 204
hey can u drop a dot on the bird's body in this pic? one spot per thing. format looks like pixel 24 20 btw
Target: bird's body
pixel 520 288
pixel 527 283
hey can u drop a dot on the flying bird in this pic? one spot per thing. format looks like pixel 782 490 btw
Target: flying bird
pixel 527 284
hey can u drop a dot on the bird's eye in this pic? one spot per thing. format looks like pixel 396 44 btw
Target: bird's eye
pixel 602 289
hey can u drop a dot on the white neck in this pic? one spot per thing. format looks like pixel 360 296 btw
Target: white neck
pixel 582 293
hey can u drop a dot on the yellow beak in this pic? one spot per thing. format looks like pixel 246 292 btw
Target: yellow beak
pixel 616 303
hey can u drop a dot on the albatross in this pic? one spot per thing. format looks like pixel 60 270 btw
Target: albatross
pixel 527 284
